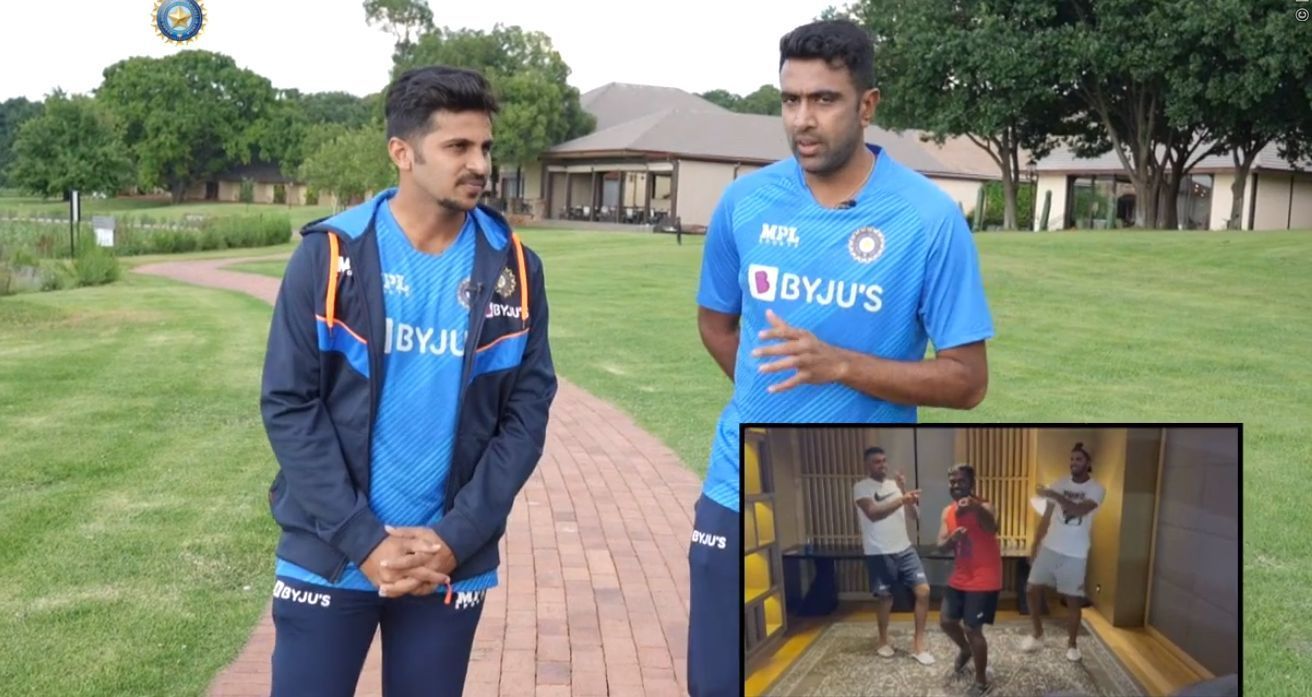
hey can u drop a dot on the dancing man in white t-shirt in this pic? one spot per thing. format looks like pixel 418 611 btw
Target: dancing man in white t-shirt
pixel 883 507
pixel 1061 549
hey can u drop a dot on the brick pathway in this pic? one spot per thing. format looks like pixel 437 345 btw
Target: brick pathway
pixel 594 573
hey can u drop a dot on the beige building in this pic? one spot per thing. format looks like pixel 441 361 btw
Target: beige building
pixel 660 154
pixel 268 185
pixel 1096 193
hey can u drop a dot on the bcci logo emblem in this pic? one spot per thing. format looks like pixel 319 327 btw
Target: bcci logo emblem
pixel 465 293
pixel 505 284
pixel 866 245
pixel 178 21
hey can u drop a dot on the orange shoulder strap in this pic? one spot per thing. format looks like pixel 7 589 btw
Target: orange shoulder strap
pixel 523 276
pixel 330 302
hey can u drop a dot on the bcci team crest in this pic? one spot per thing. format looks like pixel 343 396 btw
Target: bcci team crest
pixel 465 293
pixel 178 21
pixel 866 244
pixel 505 284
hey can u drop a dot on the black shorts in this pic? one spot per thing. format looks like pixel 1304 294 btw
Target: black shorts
pixel 975 608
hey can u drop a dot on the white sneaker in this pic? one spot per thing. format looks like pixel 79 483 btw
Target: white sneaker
pixel 1030 643
pixel 1072 654
pixel 886 651
pixel 926 658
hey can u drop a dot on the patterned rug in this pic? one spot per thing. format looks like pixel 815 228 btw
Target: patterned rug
pixel 843 662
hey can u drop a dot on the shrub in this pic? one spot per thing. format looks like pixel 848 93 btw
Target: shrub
pixel 96 266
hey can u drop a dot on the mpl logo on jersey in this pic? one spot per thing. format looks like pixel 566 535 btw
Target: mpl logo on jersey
pixel 469 599
pixel 768 283
pixel 779 235
pixel 394 284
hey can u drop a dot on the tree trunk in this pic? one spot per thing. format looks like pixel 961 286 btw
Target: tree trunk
pixel 177 190
pixel 1236 221
pixel 1008 181
pixel 1168 207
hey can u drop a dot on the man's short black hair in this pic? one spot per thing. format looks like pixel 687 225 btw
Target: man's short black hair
pixel 417 93
pixel 873 450
pixel 836 41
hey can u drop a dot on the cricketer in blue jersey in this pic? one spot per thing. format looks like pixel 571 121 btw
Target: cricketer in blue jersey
pixel 405 393
pixel 824 279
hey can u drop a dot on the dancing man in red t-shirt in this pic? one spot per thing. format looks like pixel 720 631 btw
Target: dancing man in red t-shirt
pixel 970 525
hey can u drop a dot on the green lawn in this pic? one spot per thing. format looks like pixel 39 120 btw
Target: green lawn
pixel 1093 326
pixel 135 540
pixel 155 208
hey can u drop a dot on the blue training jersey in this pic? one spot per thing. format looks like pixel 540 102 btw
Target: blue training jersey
pixel 426 299
pixel 883 277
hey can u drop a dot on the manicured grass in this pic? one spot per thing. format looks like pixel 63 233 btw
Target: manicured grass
pixel 278 252
pixel 156 208
pixel 135 541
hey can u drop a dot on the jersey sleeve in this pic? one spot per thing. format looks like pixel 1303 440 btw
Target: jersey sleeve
pixel 861 491
pixel 1098 493
pixel 953 308
pixel 719 290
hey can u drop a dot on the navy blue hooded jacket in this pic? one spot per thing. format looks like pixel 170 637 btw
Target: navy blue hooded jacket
pixel 323 374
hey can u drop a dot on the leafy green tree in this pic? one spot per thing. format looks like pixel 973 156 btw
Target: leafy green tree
pixel 348 163
pixel 401 18
pixel 765 100
pixel 723 98
pixel 977 69
pixel 13 114
pixel 188 116
pixel 71 145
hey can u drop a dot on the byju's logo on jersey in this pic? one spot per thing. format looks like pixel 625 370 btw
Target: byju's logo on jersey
pixel 705 538
pixel 282 591
pixel 763 281
pixel 767 284
pixel 406 338
pixel 779 235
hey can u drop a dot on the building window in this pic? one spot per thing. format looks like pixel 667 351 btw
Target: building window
pixel 1194 204
pixel 1100 202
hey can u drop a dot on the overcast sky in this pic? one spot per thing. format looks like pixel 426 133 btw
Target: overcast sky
pixel 324 45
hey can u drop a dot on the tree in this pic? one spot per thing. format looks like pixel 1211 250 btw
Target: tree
pixel 723 98
pixel 765 100
pixel 13 114
pixel 336 107
pixel 400 18
pixel 188 116
pixel 348 162
pixel 71 145
pixel 279 136
pixel 971 68
pixel 1119 57
pixel 538 106
pixel 1246 80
